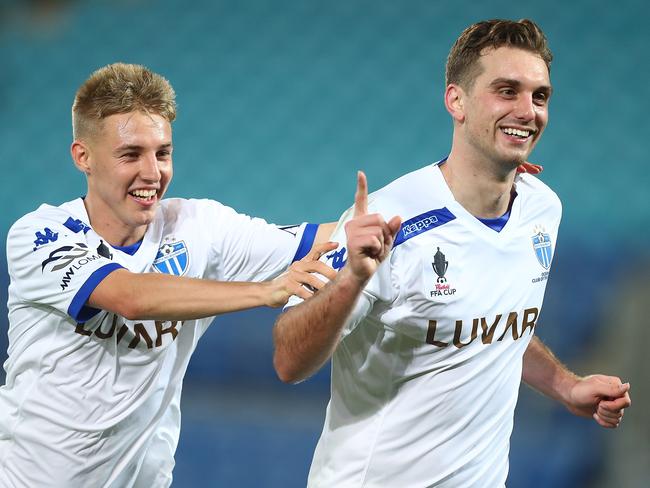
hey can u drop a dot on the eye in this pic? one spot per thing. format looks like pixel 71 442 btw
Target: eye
pixel 507 92
pixel 163 154
pixel 540 98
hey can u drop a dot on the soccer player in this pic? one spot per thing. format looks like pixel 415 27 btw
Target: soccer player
pixel 430 319
pixel 110 293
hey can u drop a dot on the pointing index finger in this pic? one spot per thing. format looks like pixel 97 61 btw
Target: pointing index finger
pixel 361 196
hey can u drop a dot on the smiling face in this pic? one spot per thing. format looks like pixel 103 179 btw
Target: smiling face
pixel 128 164
pixel 502 115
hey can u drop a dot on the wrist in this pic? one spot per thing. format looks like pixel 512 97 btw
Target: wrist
pixel 565 387
pixel 347 278
pixel 265 293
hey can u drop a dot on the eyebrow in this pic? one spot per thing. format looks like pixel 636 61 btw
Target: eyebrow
pixel 546 89
pixel 136 147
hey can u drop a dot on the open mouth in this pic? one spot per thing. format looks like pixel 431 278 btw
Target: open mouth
pixel 518 133
pixel 143 195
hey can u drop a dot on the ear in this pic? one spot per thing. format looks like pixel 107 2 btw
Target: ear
pixel 454 102
pixel 81 156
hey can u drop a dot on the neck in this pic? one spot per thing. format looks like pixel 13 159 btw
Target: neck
pixel 482 187
pixel 106 224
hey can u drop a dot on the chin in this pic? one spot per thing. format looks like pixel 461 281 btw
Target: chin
pixel 145 218
pixel 514 159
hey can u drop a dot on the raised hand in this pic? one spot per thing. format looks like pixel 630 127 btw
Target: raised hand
pixel 299 279
pixel 369 237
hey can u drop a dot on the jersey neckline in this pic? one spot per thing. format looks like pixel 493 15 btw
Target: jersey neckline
pixel 472 222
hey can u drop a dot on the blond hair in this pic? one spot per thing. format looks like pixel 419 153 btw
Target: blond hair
pixel 120 88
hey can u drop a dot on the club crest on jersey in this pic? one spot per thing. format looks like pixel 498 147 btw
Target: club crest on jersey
pixel 440 266
pixel 543 247
pixel 172 258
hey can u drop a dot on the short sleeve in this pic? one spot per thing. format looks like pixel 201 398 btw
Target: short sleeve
pixel 54 265
pixel 250 249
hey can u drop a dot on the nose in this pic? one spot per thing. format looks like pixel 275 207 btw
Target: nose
pixel 149 170
pixel 525 108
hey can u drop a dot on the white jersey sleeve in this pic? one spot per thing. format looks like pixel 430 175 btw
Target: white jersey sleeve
pixel 52 263
pixel 250 249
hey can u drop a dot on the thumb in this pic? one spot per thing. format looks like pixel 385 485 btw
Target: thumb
pixel 613 388
pixel 394 224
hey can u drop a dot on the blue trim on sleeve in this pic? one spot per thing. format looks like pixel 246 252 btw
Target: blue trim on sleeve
pixel 78 309
pixel 306 242
pixel 422 223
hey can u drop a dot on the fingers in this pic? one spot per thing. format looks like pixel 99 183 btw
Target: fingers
pixel 314 267
pixel 531 168
pixel 605 423
pixel 615 405
pixel 312 281
pixel 302 284
pixel 607 386
pixel 609 412
pixel 607 418
pixel 361 196
pixel 318 250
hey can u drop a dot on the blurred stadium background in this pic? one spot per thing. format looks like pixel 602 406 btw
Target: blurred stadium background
pixel 280 103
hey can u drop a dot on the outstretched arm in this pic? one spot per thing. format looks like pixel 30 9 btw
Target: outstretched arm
pixel 305 336
pixel 165 297
pixel 601 397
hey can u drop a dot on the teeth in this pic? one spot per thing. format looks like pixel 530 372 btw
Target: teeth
pixel 516 132
pixel 143 193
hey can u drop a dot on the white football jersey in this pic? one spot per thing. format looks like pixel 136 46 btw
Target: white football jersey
pixel 92 399
pixel 426 375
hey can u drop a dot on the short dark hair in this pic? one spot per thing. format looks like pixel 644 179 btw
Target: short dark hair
pixel 462 63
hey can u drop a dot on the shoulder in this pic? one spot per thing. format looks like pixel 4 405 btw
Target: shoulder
pixel 412 194
pixel 47 216
pixel 193 208
pixel 535 190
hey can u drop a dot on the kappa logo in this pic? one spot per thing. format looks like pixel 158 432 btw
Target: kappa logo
pixel 44 237
pixel 76 225
pixel 542 246
pixel 66 254
pixel 172 258
pixel 440 266
pixel 338 258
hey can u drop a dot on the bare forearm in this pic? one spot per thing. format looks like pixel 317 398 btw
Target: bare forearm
pixel 164 297
pixel 306 335
pixel 544 372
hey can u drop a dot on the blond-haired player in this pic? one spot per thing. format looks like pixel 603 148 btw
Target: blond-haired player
pixel 110 293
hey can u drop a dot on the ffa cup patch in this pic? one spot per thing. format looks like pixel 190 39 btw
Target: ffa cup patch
pixel 542 246
pixel 440 265
pixel 172 258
